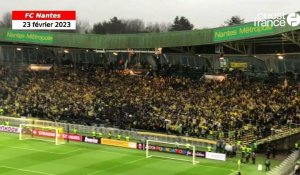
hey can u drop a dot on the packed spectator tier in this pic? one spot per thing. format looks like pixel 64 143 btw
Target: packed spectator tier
pixel 164 104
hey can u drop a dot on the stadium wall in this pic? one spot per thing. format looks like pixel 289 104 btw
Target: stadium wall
pixel 286 143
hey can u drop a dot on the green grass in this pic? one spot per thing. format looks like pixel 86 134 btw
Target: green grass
pixel 32 157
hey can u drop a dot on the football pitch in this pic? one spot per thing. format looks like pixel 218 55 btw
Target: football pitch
pixel 31 157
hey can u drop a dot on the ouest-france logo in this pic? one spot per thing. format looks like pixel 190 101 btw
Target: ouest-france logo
pixel 293 19
pixel 277 19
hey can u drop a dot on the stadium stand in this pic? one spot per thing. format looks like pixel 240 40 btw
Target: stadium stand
pixel 236 108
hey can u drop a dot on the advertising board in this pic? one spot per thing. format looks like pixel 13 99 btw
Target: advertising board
pixel 119 143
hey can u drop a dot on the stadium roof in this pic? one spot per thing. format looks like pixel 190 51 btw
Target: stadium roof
pixel 244 32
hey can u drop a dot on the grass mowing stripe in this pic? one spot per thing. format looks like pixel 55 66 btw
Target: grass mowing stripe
pixel 94 157
pixel 29 171
pixel 167 160
pixel 214 167
pixel 198 164
pixel 72 151
pixel 29 149
pixel 37 150
pixel 113 167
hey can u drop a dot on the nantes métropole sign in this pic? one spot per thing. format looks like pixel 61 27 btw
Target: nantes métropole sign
pixel 241 31
pixel 34 37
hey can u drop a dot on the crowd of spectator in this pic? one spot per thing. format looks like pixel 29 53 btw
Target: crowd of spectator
pixel 164 104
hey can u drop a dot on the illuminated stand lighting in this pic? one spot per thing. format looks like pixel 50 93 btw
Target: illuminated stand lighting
pixel 221 57
pixel 124 51
pixel 280 57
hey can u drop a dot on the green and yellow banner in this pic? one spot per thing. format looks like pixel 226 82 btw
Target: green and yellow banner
pixel 32 37
pixel 242 65
pixel 241 31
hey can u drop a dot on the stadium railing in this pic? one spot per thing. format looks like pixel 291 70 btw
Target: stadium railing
pixel 290 131
pixel 88 130
pixel 247 138
pixel 287 166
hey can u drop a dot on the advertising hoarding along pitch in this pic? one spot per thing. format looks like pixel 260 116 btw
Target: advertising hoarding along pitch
pixel 215 156
pixel 201 154
pixel 90 140
pixel 119 143
pixel 71 137
pixel 11 129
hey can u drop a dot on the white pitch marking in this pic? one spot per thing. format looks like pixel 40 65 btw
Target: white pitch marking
pixel 37 150
pixel 19 169
pixel 233 173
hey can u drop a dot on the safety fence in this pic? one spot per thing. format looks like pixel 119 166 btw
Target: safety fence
pixel 43 133
pixel 90 130
pixel 247 135
pixel 287 166
pixel 291 129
